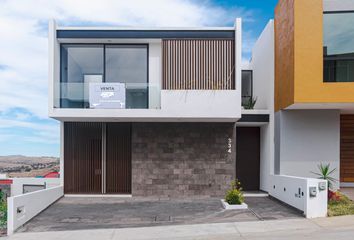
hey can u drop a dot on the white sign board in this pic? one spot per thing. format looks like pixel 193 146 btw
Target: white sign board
pixel 107 95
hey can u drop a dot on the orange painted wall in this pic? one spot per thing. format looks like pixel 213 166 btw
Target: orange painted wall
pixel 299 26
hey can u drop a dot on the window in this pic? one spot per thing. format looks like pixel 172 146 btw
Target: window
pixel 128 64
pixel 338 47
pixel 246 86
pixel 82 64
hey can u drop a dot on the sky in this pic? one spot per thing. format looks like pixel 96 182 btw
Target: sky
pixel 25 128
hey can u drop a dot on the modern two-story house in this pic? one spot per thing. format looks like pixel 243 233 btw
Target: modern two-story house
pixel 148 111
pixel 158 111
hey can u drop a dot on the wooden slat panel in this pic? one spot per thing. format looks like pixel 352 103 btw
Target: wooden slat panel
pixel 82 157
pixel 198 64
pixel 347 148
pixel 118 158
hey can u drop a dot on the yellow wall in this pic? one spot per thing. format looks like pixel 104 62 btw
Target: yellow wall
pixel 304 21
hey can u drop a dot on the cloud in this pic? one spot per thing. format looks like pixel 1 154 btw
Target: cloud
pixel 24 46
pixel 23 27
pixel 20 125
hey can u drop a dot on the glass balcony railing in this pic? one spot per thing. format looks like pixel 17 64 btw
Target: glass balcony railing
pixel 107 95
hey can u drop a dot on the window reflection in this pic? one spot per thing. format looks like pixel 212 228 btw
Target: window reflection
pixel 82 64
pixel 338 47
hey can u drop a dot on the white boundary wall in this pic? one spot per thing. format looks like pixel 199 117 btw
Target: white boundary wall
pixel 17 183
pixel 22 208
pixel 295 191
pixel 262 64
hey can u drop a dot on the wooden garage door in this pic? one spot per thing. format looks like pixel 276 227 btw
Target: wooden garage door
pixel 118 158
pixel 347 148
pixel 83 157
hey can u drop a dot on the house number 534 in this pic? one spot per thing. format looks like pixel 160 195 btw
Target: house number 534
pixel 229 145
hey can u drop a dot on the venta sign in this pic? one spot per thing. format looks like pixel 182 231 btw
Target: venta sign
pixel 107 95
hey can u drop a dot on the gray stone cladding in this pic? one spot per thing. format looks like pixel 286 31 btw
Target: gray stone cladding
pixel 182 159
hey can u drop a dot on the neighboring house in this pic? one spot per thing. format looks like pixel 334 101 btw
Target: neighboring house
pixel 52 175
pixel 157 111
pixel 314 87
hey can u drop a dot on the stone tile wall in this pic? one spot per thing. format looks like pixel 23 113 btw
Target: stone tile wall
pixel 182 159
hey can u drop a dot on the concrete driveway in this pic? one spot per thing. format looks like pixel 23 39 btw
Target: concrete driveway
pixel 339 228
pixel 72 213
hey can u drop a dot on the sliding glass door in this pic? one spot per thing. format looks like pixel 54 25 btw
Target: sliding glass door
pixel 82 64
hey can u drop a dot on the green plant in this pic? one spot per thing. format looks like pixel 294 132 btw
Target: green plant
pixel 341 205
pixel 3 210
pixel 3 213
pixel 250 103
pixel 325 173
pixel 234 195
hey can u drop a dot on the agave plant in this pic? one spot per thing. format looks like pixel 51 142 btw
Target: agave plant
pixel 250 103
pixel 325 173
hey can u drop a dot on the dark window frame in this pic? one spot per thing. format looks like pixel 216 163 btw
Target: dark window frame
pixel 61 45
pixel 250 96
pixel 336 57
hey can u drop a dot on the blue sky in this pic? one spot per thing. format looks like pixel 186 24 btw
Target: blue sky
pixel 24 126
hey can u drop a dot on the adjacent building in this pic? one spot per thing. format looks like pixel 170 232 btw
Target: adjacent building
pixel 314 87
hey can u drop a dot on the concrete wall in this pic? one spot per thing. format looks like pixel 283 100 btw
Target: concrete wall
pixel 182 159
pixel 155 63
pixel 262 65
pixel 22 208
pixel 295 192
pixel 17 184
pixel 308 138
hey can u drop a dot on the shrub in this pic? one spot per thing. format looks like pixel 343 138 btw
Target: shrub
pixel 333 196
pixel 234 195
pixel 325 173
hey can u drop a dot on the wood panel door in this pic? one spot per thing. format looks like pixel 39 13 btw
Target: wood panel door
pixel 347 148
pixel 118 158
pixel 248 157
pixel 83 157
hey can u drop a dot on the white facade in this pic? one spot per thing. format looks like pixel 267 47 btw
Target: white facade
pixel 22 208
pixel 164 105
pixel 305 139
pixel 262 66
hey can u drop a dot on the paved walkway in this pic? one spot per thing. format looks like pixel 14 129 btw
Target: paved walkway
pixel 72 213
pixel 339 228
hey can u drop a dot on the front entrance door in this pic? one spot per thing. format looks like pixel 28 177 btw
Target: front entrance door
pixel 97 158
pixel 347 149
pixel 248 157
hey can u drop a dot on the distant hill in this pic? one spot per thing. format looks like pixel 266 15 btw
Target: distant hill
pixel 25 166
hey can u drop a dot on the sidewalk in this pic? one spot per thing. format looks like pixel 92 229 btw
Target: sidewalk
pixel 325 228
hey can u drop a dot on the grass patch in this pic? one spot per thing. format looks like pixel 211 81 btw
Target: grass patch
pixel 342 206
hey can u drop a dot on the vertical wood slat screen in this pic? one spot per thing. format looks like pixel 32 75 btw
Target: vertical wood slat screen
pixel 118 176
pixel 83 157
pixel 198 64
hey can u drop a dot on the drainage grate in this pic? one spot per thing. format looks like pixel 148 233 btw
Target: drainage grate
pixel 163 218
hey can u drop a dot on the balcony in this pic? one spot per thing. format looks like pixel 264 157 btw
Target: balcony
pixel 98 95
pixel 143 103
pixel 146 82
